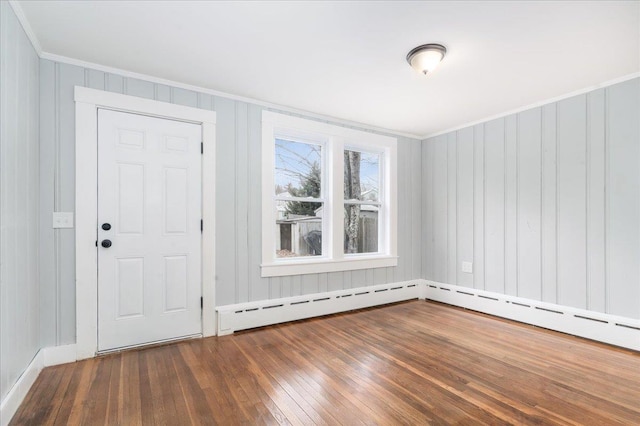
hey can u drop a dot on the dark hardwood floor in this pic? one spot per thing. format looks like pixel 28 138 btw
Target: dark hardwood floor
pixel 408 363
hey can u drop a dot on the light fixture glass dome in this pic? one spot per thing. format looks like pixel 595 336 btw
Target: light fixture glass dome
pixel 426 58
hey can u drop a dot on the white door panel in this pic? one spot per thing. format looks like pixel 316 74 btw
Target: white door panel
pixel 149 191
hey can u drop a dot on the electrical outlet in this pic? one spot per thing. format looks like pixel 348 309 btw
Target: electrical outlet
pixel 467 267
pixel 62 220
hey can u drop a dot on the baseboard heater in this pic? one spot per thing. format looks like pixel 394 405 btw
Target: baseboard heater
pixel 243 316
pixel 615 330
pixel 606 328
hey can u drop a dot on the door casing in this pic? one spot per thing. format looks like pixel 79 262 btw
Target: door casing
pixel 86 214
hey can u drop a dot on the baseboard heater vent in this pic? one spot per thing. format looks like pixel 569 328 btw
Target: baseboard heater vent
pixel 549 310
pixel 615 330
pixel 258 314
pixel 488 297
pixel 628 326
pixel 592 319
pixel 274 306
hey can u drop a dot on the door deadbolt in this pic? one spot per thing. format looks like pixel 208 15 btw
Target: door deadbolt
pixel 106 226
pixel 106 243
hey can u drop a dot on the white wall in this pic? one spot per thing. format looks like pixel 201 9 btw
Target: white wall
pixel 545 203
pixel 19 304
pixel 238 199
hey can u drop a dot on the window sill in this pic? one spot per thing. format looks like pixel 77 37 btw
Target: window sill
pixel 316 266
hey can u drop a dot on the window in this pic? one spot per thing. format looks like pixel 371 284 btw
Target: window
pixel 298 198
pixel 328 197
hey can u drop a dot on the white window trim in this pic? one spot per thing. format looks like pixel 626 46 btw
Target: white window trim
pixel 87 103
pixel 335 139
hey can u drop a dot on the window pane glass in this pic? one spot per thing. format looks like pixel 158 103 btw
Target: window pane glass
pixel 361 176
pixel 297 171
pixel 298 229
pixel 360 228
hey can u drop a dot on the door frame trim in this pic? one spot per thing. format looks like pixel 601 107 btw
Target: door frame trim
pixel 86 192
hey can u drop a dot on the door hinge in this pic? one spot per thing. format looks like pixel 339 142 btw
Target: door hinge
pixel 201 147
pixel 201 225
pixel 201 302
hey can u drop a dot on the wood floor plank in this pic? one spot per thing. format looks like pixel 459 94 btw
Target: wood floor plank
pixel 408 363
pixel 78 406
pixel 130 395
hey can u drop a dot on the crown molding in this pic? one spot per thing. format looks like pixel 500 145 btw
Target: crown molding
pixel 17 9
pixel 265 104
pixel 535 105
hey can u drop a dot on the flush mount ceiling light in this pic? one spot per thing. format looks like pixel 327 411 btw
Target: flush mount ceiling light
pixel 426 58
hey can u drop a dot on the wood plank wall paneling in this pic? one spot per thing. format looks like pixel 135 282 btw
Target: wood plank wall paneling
pixel 556 202
pixel 478 204
pixel 427 209
pixel 549 220
pixel 529 204
pixel 494 206
pixel 571 202
pixel 19 182
pixel 596 267
pixel 452 206
pixel 623 203
pixel 441 216
pixel 510 206
pixel 238 208
pixel 465 190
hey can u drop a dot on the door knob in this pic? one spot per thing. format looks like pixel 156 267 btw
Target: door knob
pixel 106 243
pixel 106 226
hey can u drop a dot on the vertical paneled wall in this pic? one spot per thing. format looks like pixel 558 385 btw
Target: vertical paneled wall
pixel 238 198
pixel 19 304
pixel 545 203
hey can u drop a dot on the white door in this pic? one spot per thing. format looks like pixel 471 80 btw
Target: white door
pixel 149 229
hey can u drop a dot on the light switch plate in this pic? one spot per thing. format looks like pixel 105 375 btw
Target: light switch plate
pixel 467 267
pixel 62 220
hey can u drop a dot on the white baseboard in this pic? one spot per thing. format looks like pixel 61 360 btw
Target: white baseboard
pixel 18 392
pixel 45 357
pixel 56 355
pixel 619 331
pixel 267 312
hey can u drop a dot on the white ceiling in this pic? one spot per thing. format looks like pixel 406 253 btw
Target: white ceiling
pixel 347 59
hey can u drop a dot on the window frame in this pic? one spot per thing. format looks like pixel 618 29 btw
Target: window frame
pixel 334 140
